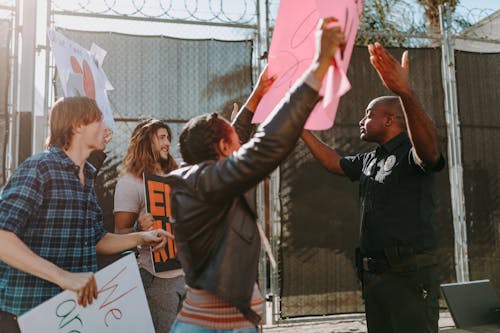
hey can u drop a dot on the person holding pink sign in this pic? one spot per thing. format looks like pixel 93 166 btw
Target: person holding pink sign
pixel 396 260
pixel 51 226
pixel 213 197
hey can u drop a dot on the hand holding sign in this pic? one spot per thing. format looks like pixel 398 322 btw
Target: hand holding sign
pixel 83 284
pixel 145 222
pixel 156 238
pixel 329 38
pixel 121 305
pixel 292 51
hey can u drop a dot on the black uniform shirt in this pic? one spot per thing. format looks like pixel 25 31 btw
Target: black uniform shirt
pixel 396 197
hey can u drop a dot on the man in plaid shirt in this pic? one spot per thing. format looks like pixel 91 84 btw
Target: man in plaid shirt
pixel 50 222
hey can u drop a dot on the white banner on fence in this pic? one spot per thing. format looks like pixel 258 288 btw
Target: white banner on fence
pixel 81 73
pixel 121 306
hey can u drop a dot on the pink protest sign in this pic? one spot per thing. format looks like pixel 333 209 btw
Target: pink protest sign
pixel 292 51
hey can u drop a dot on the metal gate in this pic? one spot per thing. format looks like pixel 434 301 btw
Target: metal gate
pixel 312 238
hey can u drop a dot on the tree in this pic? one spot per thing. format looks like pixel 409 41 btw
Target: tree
pixel 390 22
pixel 393 21
pixel 431 9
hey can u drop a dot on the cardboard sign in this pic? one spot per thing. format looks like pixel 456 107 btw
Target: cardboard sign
pixel 292 51
pixel 81 73
pixel 121 306
pixel 158 205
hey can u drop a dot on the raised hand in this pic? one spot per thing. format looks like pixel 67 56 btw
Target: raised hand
pixel 329 38
pixel 263 85
pixel 235 111
pixel 83 284
pixel 264 82
pixel 393 74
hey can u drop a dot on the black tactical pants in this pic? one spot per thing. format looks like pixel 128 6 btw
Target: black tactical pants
pixel 398 302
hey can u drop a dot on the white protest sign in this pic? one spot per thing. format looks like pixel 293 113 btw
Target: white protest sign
pixel 79 68
pixel 121 306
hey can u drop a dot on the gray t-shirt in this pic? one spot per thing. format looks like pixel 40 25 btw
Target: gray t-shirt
pixel 130 197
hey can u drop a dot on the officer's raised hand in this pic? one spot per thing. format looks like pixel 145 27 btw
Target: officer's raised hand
pixel 393 74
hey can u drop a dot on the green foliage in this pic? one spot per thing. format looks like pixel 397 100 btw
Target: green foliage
pixel 376 18
pixel 394 22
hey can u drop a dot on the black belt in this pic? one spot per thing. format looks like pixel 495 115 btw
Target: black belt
pixel 411 263
pixel 374 265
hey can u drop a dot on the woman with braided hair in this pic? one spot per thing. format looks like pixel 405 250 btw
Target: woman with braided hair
pixel 199 144
pixel 213 198
pixel 148 152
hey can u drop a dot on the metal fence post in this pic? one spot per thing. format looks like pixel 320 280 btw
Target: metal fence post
pixel 268 275
pixel 13 138
pixel 273 296
pixel 25 102
pixel 454 146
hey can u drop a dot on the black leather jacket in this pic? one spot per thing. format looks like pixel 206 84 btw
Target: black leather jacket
pixel 213 203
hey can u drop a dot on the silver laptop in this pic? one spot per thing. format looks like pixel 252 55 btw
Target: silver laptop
pixel 472 304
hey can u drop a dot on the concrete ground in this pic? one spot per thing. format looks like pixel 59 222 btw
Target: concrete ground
pixel 338 324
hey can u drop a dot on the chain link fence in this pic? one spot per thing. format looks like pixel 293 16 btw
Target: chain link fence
pixel 163 62
pixel 165 78
pixel 208 62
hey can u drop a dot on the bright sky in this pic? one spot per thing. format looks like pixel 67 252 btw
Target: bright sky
pixel 490 4
pixel 477 9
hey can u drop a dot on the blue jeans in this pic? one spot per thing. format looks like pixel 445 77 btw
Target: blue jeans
pixel 180 327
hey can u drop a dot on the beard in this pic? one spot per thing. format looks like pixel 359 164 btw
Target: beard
pixel 164 162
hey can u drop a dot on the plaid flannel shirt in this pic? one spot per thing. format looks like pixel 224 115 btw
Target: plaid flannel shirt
pixel 56 216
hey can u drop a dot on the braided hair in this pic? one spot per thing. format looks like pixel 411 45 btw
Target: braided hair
pixel 200 136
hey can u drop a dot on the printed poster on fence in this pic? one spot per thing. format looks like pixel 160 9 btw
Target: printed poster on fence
pixel 121 306
pixel 158 205
pixel 292 52
pixel 80 72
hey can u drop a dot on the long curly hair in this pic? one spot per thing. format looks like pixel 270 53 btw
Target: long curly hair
pixel 200 135
pixel 141 157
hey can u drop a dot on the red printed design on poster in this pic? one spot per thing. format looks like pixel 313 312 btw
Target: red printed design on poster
pixel 121 306
pixel 80 72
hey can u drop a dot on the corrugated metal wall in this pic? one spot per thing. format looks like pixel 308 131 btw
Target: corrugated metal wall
pixel 320 212
pixel 478 88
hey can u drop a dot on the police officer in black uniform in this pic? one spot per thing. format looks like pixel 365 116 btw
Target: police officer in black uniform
pixel 396 259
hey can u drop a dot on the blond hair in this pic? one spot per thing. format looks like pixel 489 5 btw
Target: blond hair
pixel 68 113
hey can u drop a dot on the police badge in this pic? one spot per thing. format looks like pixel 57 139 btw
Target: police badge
pixel 389 163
